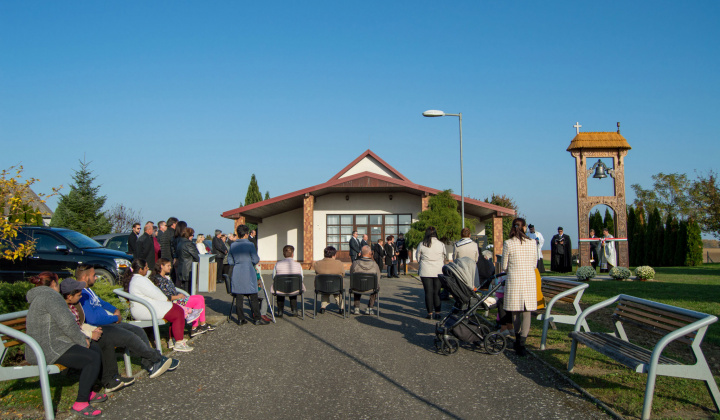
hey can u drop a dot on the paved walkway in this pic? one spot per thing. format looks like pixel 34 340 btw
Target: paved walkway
pixel 362 367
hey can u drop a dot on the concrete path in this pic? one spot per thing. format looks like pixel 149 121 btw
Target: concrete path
pixel 362 367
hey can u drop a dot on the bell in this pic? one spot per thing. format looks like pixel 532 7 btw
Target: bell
pixel 600 170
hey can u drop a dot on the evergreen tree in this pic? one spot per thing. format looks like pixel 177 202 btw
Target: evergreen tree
pixel 631 234
pixel 681 248
pixel 694 244
pixel 659 241
pixel 669 240
pixel 267 195
pixel 253 192
pixel 81 208
pixel 639 239
pixel 609 222
pixel 443 214
pixel 596 222
pixel 650 236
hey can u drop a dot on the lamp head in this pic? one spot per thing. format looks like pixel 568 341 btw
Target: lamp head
pixel 433 113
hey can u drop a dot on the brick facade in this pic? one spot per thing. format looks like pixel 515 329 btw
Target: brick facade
pixel 239 221
pixel 308 209
pixel 497 240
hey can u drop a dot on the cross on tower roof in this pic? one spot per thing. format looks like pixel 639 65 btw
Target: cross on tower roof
pixel 577 127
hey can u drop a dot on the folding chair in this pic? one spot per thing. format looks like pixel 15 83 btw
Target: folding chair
pixel 289 285
pixel 330 284
pixel 364 284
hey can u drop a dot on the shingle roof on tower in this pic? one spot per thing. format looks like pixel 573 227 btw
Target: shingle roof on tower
pixel 599 140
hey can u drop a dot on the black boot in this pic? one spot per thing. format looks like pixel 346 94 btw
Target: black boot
pixel 241 317
pixel 519 345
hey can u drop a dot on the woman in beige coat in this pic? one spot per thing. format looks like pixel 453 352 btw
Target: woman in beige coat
pixel 431 257
pixel 518 261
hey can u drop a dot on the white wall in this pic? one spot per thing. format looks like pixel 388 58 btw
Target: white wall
pixel 369 164
pixel 359 203
pixel 277 231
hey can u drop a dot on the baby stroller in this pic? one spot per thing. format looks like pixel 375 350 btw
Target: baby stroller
pixel 462 323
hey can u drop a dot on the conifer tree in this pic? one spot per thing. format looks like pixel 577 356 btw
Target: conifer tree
pixel 631 234
pixel 650 235
pixel 694 244
pixel 639 239
pixel 681 248
pixel 267 195
pixel 596 222
pixel 81 208
pixel 670 240
pixel 253 192
pixel 442 213
pixel 658 240
pixel 609 222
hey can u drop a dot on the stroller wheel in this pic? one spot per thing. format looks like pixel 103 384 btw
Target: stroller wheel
pixel 438 344
pixel 450 345
pixel 495 343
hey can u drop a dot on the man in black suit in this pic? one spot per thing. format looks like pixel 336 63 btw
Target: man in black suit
pixel 253 238
pixel 365 241
pixel 132 238
pixel 166 240
pixel 594 245
pixel 354 246
pixel 220 251
pixel 145 246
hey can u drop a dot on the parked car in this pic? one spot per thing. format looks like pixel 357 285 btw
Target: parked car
pixel 114 241
pixel 59 250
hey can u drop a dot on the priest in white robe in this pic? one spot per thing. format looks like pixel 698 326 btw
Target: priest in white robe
pixel 538 238
pixel 608 256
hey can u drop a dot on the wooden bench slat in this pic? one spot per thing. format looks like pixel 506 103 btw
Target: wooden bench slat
pixel 652 316
pixel 626 353
pixel 12 322
pixel 669 314
pixel 687 339
pixel 12 343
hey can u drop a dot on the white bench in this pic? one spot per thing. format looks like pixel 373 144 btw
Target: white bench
pixel 561 289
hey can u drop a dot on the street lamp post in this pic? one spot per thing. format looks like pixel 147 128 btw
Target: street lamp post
pixel 436 113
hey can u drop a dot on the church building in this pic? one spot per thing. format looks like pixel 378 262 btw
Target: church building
pixel 368 195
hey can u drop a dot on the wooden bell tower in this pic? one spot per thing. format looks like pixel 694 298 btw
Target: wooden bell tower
pixel 600 145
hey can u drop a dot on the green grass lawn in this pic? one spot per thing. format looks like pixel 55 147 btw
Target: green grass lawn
pixel 696 288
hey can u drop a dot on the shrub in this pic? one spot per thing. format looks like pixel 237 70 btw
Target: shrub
pixel 620 273
pixel 645 272
pixel 585 273
pixel 12 296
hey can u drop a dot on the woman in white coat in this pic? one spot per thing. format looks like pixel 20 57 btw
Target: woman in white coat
pixel 518 261
pixel 135 283
pixel 431 257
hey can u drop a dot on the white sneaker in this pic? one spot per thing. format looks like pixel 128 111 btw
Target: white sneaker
pixel 356 311
pixel 369 311
pixel 183 346
pixel 195 314
pixel 171 343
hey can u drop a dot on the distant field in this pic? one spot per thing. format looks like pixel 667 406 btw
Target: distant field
pixel 714 254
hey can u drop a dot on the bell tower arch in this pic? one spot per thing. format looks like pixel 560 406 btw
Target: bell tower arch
pixel 608 145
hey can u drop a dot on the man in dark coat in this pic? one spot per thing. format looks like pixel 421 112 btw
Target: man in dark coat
pixel 594 258
pixel 220 250
pixel 132 238
pixel 561 253
pixel 253 238
pixel 365 241
pixel 354 246
pixel 391 257
pixel 166 240
pixel 145 246
pixel 379 253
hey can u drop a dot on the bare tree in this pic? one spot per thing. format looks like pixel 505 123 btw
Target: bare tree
pixel 122 218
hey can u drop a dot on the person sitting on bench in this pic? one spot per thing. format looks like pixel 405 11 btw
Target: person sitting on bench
pixel 54 328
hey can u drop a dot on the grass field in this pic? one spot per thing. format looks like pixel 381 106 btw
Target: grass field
pixel 696 288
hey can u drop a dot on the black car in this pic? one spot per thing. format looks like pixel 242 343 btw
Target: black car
pixel 59 250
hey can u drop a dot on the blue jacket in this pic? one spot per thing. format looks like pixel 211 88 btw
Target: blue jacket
pixel 243 256
pixel 96 310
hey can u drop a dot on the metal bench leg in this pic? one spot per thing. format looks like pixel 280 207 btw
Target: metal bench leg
pixel 315 305
pixel 45 388
pixel 302 305
pixel 713 389
pixel 377 302
pixel 571 360
pixel 128 364
pixel 546 321
pixel 649 391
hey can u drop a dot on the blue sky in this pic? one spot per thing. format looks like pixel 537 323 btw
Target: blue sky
pixel 177 103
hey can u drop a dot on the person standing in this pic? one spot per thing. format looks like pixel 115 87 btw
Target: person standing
pixel 466 247
pixel 228 240
pixel 540 241
pixel 329 265
pixel 166 239
pixel 365 241
pixel 560 253
pixel 145 246
pixel 243 257
pixel 594 245
pixel 132 238
pixel 187 253
pixel 354 244
pixel 608 257
pixel 379 253
pixel 402 253
pixel 391 257
pixel 519 261
pixel 200 244
pixel 220 250
pixel 253 238
pixel 431 256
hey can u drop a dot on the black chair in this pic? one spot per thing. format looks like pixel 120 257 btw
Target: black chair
pixel 329 284
pixel 289 283
pixel 228 288
pixel 364 284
